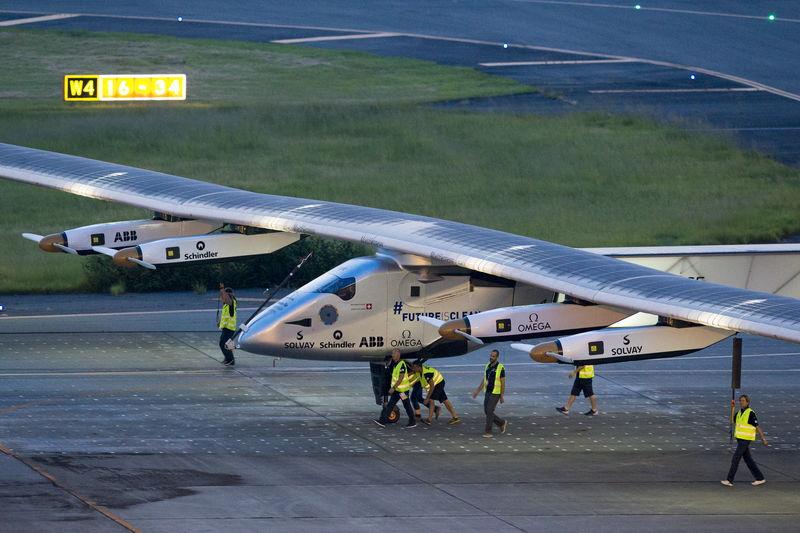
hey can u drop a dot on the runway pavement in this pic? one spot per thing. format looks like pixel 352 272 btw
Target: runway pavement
pixel 145 430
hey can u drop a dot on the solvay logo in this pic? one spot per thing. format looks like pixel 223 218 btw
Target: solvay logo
pixel 625 340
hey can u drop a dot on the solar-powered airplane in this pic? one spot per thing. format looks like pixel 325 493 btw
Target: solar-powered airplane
pixel 434 287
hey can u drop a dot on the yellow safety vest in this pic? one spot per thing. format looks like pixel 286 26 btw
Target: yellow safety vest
pixel 437 376
pixel 497 385
pixel 407 382
pixel 744 430
pixel 587 372
pixel 226 321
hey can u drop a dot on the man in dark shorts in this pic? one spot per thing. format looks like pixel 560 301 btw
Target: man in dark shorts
pixel 583 375
pixel 433 381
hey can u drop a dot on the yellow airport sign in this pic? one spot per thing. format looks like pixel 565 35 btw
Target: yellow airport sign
pixel 124 87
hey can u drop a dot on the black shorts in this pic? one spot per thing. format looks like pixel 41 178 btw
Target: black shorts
pixel 438 393
pixel 582 384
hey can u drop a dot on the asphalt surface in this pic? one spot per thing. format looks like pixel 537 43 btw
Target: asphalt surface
pixel 145 430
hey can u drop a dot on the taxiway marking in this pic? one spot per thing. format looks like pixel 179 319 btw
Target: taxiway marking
pixel 33 20
pixel 324 38
pixel 708 90
pixel 632 7
pixel 120 313
pixel 107 373
pixel 565 62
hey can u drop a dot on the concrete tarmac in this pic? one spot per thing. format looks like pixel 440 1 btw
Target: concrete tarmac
pixel 145 430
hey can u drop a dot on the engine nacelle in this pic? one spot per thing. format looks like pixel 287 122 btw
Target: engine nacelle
pixel 614 345
pixel 196 248
pixel 121 234
pixel 532 321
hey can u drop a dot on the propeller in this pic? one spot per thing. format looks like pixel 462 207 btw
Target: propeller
pixel 48 241
pixel 529 349
pixel 115 254
pixel 438 324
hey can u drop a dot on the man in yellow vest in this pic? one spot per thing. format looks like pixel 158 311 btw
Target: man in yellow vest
pixel 494 381
pixel 583 374
pixel 432 380
pixel 401 382
pixel 745 433
pixel 227 322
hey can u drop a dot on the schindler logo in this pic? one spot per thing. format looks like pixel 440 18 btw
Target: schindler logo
pixel 596 348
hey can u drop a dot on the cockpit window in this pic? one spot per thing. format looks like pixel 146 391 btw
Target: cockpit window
pixel 344 288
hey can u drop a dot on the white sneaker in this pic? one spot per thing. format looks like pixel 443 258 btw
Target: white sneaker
pixel 758 482
pixel 726 483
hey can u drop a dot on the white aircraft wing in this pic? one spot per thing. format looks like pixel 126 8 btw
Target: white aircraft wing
pixel 578 273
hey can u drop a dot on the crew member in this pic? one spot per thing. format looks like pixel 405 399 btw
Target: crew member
pixel 401 382
pixel 745 433
pixel 417 399
pixel 583 374
pixel 432 381
pixel 227 322
pixel 494 380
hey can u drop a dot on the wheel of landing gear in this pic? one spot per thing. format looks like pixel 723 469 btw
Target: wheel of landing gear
pixel 394 415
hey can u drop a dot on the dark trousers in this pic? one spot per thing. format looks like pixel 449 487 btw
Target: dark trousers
pixel 489 405
pixel 393 399
pixel 417 399
pixel 743 450
pixel 224 336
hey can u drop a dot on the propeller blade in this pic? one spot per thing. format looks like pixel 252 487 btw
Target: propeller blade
pixel 469 337
pixel 432 321
pixel 32 237
pixel 142 263
pixel 105 250
pixel 522 347
pixel 67 249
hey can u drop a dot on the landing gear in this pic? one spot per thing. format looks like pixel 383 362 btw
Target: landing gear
pixel 380 387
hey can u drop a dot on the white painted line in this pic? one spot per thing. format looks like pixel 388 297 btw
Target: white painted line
pixel 567 62
pixel 325 38
pixel 767 128
pixel 709 90
pixel 113 373
pixel 32 20
pixel 631 7
pixel 119 313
